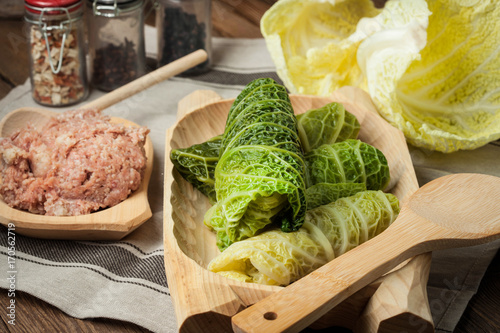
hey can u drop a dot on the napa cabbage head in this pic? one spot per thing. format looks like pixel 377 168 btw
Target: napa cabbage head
pixel 314 43
pixel 439 83
pixel 431 67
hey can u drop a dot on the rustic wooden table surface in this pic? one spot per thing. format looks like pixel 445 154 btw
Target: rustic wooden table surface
pixel 231 18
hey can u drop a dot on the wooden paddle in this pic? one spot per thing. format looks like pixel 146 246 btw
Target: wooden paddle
pixel 452 211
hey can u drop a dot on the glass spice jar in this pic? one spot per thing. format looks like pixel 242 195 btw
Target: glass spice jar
pixel 58 72
pixel 116 42
pixel 184 26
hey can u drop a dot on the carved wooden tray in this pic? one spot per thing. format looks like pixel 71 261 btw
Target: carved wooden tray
pixel 112 223
pixel 205 301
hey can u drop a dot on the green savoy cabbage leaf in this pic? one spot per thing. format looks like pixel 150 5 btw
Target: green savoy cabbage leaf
pixel 277 258
pixel 197 165
pixel 349 161
pixel 260 175
pixel 328 124
pixel 324 193
pixel 354 220
pixel 316 127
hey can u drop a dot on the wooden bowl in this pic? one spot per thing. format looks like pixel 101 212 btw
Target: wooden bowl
pixel 108 224
pixel 205 301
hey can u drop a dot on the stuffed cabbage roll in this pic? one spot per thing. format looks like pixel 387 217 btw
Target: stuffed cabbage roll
pixel 328 124
pixel 277 258
pixel 197 165
pixel 324 193
pixel 260 175
pixel 349 161
pixel 256 91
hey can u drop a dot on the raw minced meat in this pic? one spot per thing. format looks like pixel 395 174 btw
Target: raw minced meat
pixel 79 162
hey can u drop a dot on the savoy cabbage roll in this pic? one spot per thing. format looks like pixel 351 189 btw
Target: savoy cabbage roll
pixel 278 258
pixel 344 168
pixel 328 124
pixel 197 165
pixel 260 175
pixel 324 193
pixel 256 91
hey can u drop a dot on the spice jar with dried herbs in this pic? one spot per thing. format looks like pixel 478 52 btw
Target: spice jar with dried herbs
pixel 57 51
pixel 116 42
pixel 184 26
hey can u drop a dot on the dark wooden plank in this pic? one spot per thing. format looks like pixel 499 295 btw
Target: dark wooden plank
pixel 4 326
pixel 14 55
pixel 250 10
pixel 12 8
pixel 482 313
pixel 228 20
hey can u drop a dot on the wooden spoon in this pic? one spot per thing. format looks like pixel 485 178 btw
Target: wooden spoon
pixel 18 118
pixel 452 211
pixel 111 223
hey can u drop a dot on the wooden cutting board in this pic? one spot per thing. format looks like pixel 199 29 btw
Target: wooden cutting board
pixel 205 301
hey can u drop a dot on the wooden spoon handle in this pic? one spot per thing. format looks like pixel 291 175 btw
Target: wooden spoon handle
pixel 176 67
pixel 306 300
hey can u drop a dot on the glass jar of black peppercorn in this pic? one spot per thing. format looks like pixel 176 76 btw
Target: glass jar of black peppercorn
pixel 116 42
pixel 184 26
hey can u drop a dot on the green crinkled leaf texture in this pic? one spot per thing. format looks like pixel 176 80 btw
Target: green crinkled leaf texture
pixel 324 193
pixel 254 184
pixel 278 258
pixel 361 217
pixel 349 161
pixel 328 124
pixel 261 101
pixel 197 165
pixel 260 176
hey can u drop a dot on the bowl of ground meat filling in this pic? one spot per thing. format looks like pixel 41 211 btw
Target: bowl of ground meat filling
pixel 73 175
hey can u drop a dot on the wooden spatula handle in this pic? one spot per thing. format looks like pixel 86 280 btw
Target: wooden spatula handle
pixel 303 302
pixel 176 67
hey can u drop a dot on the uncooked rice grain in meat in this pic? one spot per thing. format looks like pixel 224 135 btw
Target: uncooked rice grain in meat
pixel 79 162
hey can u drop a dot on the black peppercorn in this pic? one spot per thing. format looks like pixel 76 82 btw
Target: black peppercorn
pixel 182 34
pixel 115 65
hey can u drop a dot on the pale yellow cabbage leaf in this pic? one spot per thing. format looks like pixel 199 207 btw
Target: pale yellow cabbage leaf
pixel 313 43
pixel 446 96
pixel 275 257
pixel 431 67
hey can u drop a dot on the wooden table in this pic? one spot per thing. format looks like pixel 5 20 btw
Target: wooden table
pixel 230 19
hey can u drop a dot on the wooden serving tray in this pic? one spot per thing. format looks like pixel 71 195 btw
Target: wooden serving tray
pixel 205 301
pixel 112 223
